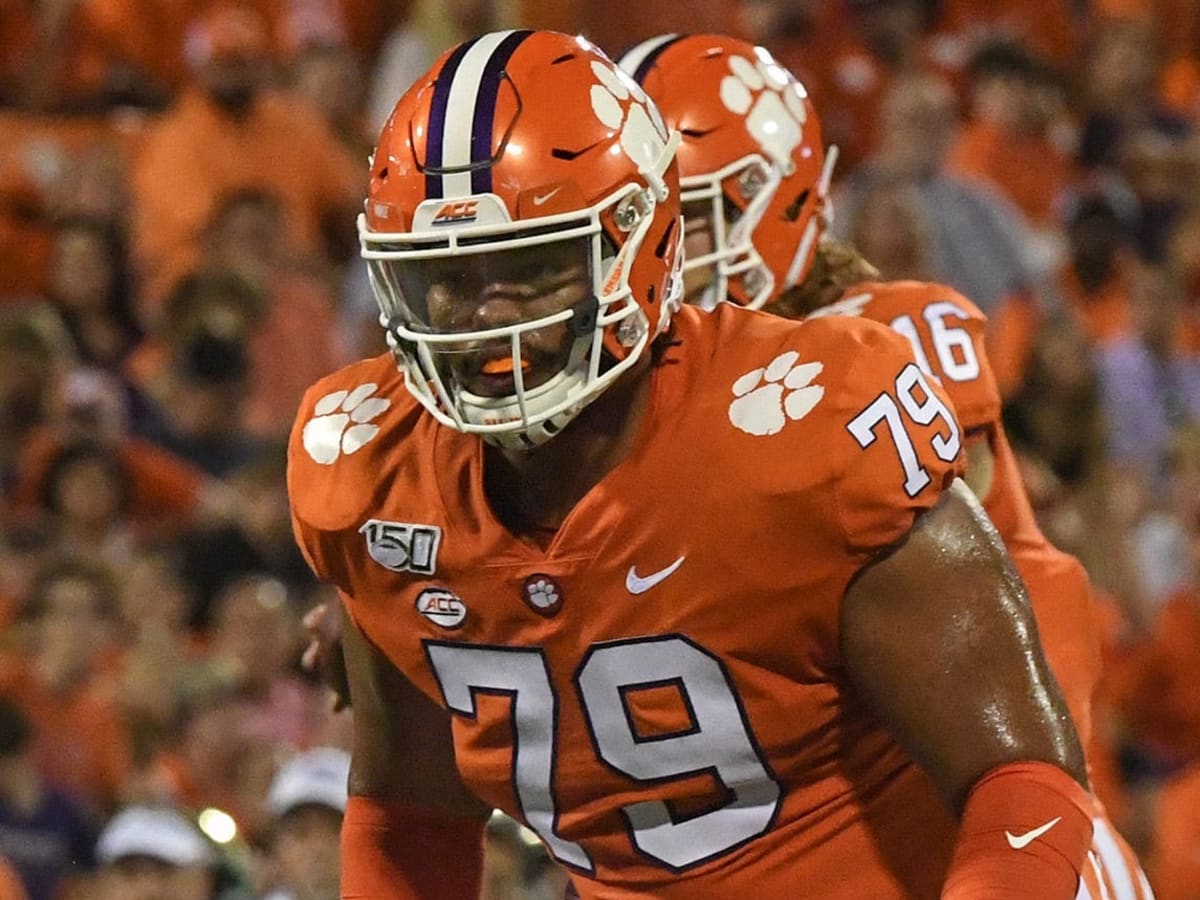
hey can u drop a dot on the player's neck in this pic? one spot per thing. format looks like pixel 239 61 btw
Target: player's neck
pixel 532 491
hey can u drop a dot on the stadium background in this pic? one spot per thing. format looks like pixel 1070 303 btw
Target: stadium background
pixel 174 270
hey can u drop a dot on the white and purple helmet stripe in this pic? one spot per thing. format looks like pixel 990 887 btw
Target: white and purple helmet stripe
pixel 641 59
pixel 458 147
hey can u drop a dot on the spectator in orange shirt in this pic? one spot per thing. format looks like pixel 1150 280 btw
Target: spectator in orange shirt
pixel 31 360
pixel 10 885
pixel 248 236
pixel 91 55
pixel 87 284
pixel 857 64
pixel 43 833
pixel 1156 688
pixel 1049 29
pixel 60 684
pixel 1007 128
pixel 329 77
pixel 86 495
pixel 199 371
pixel 1096 281
pixel 89 406
pixel 232 132
pixel 54 169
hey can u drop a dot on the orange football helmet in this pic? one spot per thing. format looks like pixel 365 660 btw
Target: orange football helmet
pixel 751 151
pixel 517 140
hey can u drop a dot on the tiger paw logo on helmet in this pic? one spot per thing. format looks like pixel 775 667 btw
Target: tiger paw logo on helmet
pixel 621 104
pixel 772 104
pixel 768 398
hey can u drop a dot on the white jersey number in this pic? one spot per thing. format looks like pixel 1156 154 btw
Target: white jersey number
pixel 718 740
pixel 915 400
pixel 953 346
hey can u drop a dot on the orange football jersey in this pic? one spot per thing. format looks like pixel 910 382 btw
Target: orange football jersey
pixel 659 693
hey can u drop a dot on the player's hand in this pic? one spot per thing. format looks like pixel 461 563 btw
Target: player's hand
pixel 323 655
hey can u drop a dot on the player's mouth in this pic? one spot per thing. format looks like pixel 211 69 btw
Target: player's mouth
pixel 494 374
pixel 503 365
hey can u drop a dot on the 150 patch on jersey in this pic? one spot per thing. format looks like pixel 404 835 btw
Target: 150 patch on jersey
pixel 402 546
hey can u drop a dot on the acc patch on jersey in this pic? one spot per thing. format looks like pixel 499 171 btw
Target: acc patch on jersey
pixel 402 546
pixel 441 607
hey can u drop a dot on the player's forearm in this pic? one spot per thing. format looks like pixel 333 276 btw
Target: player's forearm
pixel 392 851
pixel 1025 833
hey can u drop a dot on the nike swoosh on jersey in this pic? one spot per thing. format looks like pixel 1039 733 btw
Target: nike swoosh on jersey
pixel 1019 842
pixel 539 199
pixel 638 585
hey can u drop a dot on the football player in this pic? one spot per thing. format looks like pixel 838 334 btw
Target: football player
pixel 755 178
pixel 686 593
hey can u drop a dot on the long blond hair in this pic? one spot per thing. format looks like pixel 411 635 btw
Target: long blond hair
pixel 836 266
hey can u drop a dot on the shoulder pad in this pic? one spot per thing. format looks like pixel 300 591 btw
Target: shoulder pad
pixel 948 334
pixel 897 443
pixel 345 439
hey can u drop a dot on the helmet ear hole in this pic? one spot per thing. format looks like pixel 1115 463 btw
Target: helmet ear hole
pixel 660 249
pixel 793 210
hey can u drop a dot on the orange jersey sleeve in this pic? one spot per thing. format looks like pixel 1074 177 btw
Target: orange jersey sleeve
pixel 947 334
pixel 902 444
pixel 946 331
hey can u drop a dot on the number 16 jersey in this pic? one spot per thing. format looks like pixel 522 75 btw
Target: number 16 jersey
pixel 659 692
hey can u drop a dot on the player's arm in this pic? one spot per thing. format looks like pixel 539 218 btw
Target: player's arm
pixel 412 830
pixel 939 636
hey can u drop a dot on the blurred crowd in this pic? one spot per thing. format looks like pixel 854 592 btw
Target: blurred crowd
pixel 179 181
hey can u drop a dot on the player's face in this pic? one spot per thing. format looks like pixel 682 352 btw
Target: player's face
pixel 699 240
pixel 484 291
